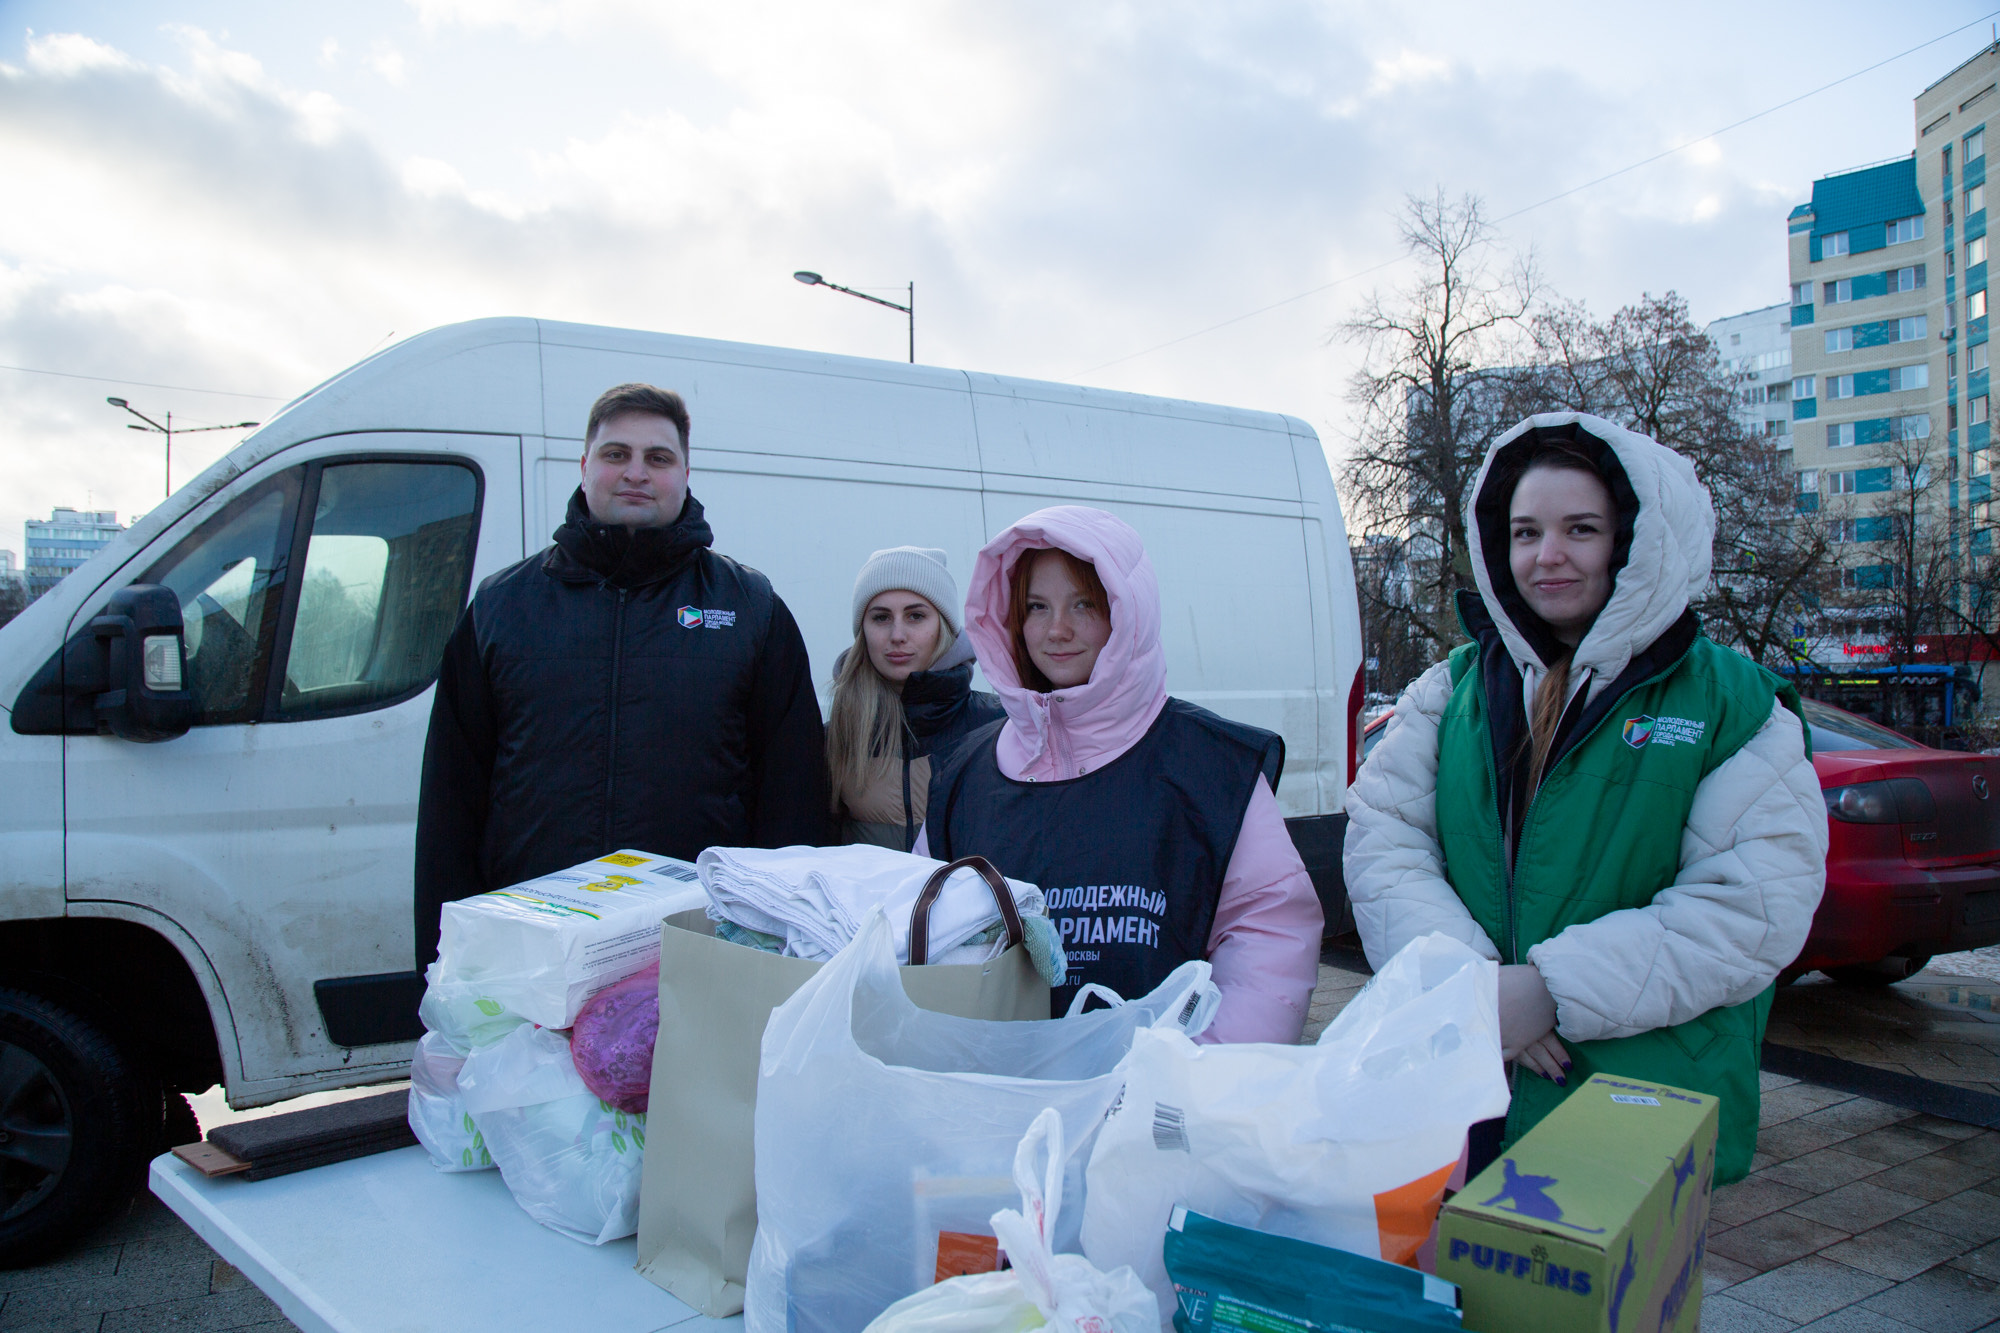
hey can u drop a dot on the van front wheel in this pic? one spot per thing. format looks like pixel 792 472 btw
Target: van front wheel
pixel 74 1126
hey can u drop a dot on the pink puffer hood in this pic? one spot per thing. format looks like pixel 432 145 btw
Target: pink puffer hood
pixel 1074 731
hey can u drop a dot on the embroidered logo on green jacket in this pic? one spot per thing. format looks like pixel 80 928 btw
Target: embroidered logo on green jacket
pixel 1642 731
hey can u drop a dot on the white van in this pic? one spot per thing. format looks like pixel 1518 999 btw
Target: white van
pixel 232 902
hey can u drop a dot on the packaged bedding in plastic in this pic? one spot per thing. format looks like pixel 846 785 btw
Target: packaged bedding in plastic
pixel 540 949
pixel 571 1160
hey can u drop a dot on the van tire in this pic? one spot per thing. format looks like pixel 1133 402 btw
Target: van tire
pixel 63 1080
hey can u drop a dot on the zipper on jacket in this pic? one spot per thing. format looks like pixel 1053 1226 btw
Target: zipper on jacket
pixel 1513 936
pixel 611 742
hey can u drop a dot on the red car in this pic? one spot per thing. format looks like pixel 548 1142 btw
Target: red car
pixel 1913 868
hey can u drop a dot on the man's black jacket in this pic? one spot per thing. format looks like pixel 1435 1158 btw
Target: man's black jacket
pixel 620 689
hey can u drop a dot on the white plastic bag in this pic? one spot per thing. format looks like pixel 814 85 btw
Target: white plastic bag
pixel 880 1125
pixel 461 1013
pixel 570 1160
pixel 437 1113
pixel 541 948
pixel 1348 1143
pixel 1060 1291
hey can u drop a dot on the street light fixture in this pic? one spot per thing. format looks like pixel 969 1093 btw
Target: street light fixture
pixel 812 279
pixel 170 430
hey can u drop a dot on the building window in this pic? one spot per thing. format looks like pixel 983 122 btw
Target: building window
pixel 1976 408
pixel 1840 483
pixel 1840 435
pixel 1809 480
pixel 1840 291
pixel 1975 305
pixel 1975 200
pixel 1916 426
pixel 1951 314
pixel 1975 251
pixel 1801 293
pixel 1802 387
pixel 1906 229
pixel 1839 340
pixel 1908 279
pixel 1835 243
pixel 1975 360
pixel 1982 463
pixel 1839 386
pixel 1912 328
pixel 1950 267
pixel 1951 416
pixel 1909 377
pixel 1975 144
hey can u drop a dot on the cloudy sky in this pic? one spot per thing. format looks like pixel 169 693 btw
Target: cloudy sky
pixel 215 204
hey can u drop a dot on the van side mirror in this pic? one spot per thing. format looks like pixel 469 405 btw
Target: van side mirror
pixel 140 648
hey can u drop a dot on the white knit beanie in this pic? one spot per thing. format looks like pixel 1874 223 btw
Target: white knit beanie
pixel 917 569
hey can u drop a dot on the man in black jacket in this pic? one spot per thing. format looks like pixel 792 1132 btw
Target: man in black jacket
pixel 626 687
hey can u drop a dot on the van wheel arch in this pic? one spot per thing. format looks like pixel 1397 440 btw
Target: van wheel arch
pixel 128 979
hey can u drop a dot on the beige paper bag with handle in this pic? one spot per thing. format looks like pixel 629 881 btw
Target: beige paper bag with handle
pixel 697 1196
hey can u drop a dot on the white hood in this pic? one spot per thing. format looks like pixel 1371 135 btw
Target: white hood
pixel 1672 530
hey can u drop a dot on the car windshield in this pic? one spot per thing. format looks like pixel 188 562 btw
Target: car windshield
pixel 1833 729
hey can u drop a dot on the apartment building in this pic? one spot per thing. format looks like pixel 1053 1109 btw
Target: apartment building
pixel 1755 348
pixel 62 541
pixel 1889 329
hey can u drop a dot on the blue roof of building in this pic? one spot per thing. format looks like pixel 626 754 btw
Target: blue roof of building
pixel 1801 211
pixel 1873 194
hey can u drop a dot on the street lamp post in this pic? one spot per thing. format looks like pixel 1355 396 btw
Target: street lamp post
pixel 811 279
pixel 170 430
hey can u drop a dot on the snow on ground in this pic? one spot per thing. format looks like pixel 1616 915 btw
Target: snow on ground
pixel 1982 963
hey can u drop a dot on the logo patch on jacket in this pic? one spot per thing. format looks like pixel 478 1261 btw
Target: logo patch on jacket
pixel 1642 730
pixel 695 617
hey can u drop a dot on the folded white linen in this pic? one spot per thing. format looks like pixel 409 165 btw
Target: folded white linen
pixel 815 898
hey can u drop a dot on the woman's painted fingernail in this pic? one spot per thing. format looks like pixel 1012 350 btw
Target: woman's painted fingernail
pixel 1561 1082
pixel 1567 1066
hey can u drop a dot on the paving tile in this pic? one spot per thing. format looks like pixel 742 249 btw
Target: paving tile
pixel 1858 1207
pixel 1769 1082
pixel 1857 1116
pixel 99 1294
pixel 1982 1151
pixel 1818 1172
pixel 1896 1250
pixel 1721 1314
pixel 1858 1319
pixel 1985 1261
pixel 1808 1288
pixel 1944 1300
pixel 1895 1143
pixel 1932 1177
pixel 1968 1216
pixel 204 1314
pixel 1760 1160
pixel 154 1255
pixel 1753 1197
pixel 1796 1138
pixel 1774 1241
pixel 1720 1274
pixel 1950 1129
pixel 55 1323
pixel 1797 1100
pixel 99 1262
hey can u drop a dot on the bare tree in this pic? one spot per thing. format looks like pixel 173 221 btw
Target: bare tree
pixel 13 598
pixel 1430 402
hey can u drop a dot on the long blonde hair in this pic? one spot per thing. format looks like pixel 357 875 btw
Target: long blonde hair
pixel 864 737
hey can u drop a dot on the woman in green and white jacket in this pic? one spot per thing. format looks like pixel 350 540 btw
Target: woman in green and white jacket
pixel 1621 813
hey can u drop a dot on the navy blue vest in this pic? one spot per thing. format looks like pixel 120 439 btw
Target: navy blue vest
pixel 1131 857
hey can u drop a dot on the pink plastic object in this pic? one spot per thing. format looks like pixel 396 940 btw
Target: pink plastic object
pixel 612 1042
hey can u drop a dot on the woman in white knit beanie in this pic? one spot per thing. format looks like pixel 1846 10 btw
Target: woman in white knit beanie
pixel 901 694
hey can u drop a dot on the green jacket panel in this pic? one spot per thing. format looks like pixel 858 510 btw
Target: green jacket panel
pixel 1603 834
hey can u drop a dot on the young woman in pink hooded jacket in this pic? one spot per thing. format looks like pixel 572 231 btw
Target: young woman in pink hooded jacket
pixel 1151 824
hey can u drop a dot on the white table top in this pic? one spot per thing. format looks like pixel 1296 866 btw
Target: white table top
pixel 386 1244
